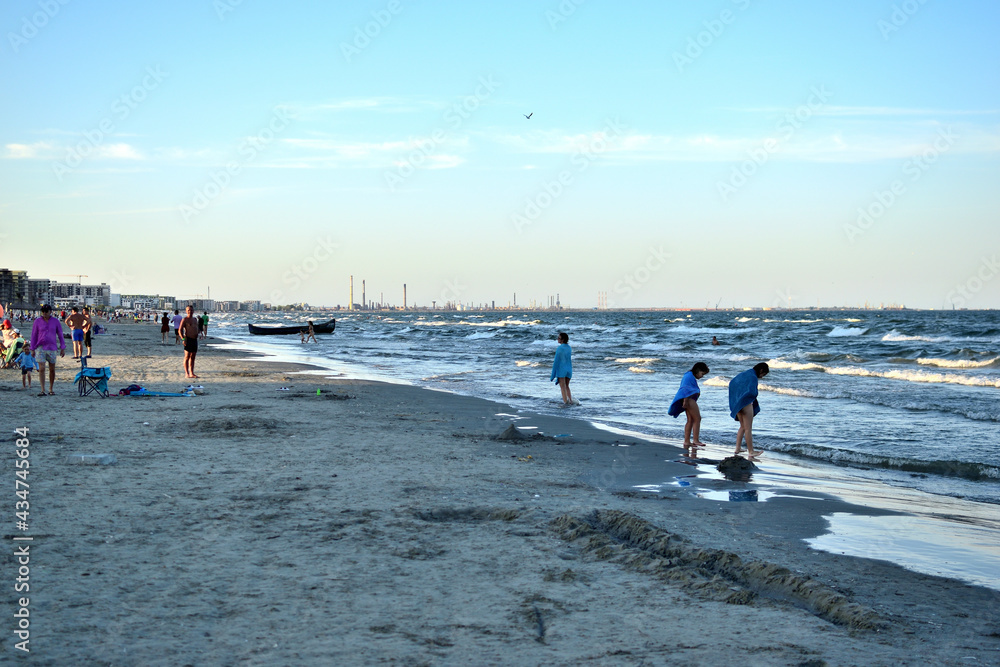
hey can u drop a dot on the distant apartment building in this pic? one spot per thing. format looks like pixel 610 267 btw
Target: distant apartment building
pixel 78 294
pixel 141 301
pixel 227 306
pixel 199 305
pixel 13 288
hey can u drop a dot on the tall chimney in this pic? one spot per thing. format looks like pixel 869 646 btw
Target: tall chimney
pixel 404 296
pixel 350 305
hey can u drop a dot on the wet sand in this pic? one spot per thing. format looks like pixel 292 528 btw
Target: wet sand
pixel 378 523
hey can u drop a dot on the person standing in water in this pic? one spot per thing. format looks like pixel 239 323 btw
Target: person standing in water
pixel 686 400
pixel 743 406
pixel 562 368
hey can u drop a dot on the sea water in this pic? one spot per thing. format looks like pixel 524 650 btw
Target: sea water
pixel 883 408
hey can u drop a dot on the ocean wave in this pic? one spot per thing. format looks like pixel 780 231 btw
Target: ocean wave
pixel 897 337
pixel 641 369
pixel 660 347
pixel 917 376
pixel 904 374
pixel 502 323
pixel 709 330
pixel 528 364
pixel 794 321
pixel 746 319
pixel 635 360
pixel 891 400
pixel 481 334
pixel 795 365
pixel 959 363
pixel 962 469
pixel 839 332
pixel 788 391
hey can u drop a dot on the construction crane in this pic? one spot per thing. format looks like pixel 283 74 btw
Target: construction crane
pixel 79 276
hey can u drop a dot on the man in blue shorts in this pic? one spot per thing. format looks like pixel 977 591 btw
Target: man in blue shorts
pixel 76 321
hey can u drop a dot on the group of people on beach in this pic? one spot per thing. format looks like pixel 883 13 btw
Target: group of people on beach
pixel 743 405
pixel 39 350
pixel 46 340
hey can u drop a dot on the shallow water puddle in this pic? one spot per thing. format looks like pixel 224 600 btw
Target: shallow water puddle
pixel 930 545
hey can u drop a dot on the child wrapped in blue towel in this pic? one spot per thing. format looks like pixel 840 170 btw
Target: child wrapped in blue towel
pixel 562 368
pixel 686 400
pixel 743 405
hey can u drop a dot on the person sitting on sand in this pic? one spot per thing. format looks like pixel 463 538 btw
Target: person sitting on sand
pixel 562 368
pixel 686 400
pixel 743 406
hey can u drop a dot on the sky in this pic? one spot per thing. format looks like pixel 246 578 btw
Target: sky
pixel 639 154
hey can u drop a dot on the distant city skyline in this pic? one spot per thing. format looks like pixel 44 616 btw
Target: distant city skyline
pixel 663 154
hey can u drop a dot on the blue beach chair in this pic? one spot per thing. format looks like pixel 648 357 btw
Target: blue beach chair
pixel 92 380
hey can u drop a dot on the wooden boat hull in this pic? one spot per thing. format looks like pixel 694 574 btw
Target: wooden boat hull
pixel 323 328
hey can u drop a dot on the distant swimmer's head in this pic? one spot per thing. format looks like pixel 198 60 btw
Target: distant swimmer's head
pixel 700 369
pixel 563 337
pixel 761 369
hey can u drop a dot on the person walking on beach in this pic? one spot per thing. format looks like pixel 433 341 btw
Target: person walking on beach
pixel 204 325
pixel 308 333
pixel 562 368
pixel 27 363
pixel 686 400
pixel 743 406
pixel 75 323
pixel 164 327
pixel 46 336
pixel 88 328
pixel 188 330
pixel 176 321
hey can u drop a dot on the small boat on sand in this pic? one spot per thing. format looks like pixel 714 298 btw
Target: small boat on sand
pixel 270 330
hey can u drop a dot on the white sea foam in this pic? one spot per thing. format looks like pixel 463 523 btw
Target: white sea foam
pixel 958 363
pixel 481 334
pixel 716 381
pixel 713 331
pixel 846 331
pixel 788 391
pixel 529 364
pixel 794 365
pixel 636 360
pixel 641 369
pixel 897 337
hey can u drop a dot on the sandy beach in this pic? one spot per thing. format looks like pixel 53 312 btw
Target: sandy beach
pixel 376 523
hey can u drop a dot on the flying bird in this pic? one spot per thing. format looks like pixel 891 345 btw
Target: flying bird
pixel 529 115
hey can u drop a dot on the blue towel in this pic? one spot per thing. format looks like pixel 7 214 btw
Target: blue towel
pixel 689 389
pixel 562 366
pixel 743 392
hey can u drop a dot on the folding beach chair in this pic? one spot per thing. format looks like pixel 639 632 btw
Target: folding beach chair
pixel 92 380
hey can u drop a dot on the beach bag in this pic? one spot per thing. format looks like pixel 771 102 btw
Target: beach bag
pixel 127 391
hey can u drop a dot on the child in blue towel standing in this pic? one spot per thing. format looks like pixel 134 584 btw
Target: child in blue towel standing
pixel 686 400
pixel 562 367
pixel 27 363
pixel 743 406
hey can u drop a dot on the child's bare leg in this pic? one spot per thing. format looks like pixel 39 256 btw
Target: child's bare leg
pixel 739 433
pixel 567 394
pixel 694 415
pixel 747 414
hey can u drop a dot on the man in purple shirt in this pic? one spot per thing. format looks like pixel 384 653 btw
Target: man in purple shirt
pixel 46 336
